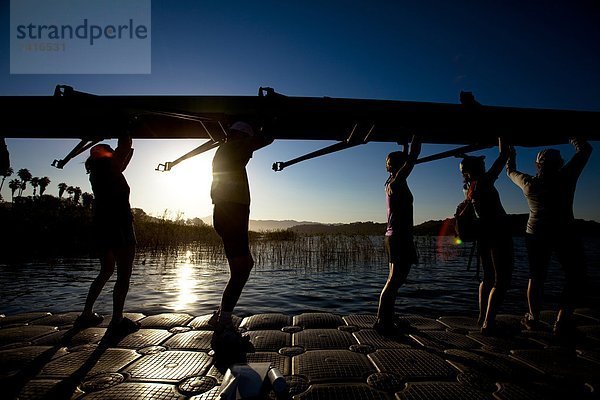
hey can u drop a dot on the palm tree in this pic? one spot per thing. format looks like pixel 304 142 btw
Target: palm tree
pixel 25 177
pixel 71 191
pixel 14 185
pixel 61 189
pixel 86 199
pixel 44 182
pixel 5 175
pixel 76 194
pixel 35 182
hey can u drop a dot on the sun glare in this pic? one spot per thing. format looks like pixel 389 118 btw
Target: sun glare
pixel 183 191
pixel 185 284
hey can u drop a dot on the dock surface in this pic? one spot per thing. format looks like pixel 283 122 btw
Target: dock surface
pixel 321 355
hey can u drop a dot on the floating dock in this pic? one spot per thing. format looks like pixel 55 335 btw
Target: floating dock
pixel 321 355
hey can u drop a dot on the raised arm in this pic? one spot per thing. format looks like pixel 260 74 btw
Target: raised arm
pixel 583 150
pixel 500 162
pixel 520 179
pixel 123 152
pixel 413 154
pixel 260 141
pixel 511 162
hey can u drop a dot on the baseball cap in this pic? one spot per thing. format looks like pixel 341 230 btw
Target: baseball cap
pixel 242 127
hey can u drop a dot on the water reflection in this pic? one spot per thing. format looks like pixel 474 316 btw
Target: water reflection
pixel 288 279
pixel 184 284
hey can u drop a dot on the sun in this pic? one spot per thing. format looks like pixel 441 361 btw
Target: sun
pixel 189 185
pixel 183 191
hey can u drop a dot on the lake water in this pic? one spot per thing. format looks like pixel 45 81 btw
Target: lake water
pixel 290 278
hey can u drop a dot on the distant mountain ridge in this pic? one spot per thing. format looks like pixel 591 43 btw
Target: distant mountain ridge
pixel 356 228
pixel 445 227
pixel 427 228
pixel 268 224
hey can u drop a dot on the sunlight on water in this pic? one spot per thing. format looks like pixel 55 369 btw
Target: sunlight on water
pixel 184 284
pixel 192 279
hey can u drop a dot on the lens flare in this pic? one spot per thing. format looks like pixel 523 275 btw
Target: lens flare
pixel 446 241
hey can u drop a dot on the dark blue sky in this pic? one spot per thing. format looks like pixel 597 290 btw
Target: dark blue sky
pixel 524 54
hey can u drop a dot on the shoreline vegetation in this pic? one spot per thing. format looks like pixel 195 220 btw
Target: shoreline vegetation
pixel 46 226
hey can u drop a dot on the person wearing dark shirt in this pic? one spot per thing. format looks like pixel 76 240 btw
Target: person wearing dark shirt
pixel 230 193
pixel 550 228
pixel 494 238
pixel 113 232
pixel 398 238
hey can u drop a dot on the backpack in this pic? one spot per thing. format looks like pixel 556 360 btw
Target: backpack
pixel 466 223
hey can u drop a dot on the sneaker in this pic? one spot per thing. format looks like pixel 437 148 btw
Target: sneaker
pixel 213 321
pixel 563 329
pixel 218 325
pixel 86 321
pixel 386 329
pixel 403 325
pixel 530 323
pixel 123 328
pixel 488 329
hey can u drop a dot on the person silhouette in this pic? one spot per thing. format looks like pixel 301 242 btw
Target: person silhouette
pixel 398 240
pixel 550 228
pixel 113 232
pixel 230 193
pixel 4 157
pixel 494 236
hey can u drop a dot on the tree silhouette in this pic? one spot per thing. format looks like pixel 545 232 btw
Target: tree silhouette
pixel 5 175
pixel 76 194
pixel 70 191
pixel 35 182
pixel 86 199
pixel 61 189
pixel 14 185
pixel 44 182
pixel 25 177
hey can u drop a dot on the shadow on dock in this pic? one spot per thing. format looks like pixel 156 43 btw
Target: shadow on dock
pixel 321 355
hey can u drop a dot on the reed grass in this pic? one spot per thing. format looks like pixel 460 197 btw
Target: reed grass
pixel 51 227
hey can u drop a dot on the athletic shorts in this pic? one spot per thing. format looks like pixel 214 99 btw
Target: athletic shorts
pixel 569 252
pixel 231 223
pixel 115 235
pixel 401 250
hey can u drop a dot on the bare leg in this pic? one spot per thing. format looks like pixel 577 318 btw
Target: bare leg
pixel 107 267
pixel 387 299
pixel 535 294
pixel 571 257
pixel 495 300
pixel 502 264
pixel 564 314
pixel 124 258
pixel 486 286
pixel 239 268
pixel 484 295
pixel 538 252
